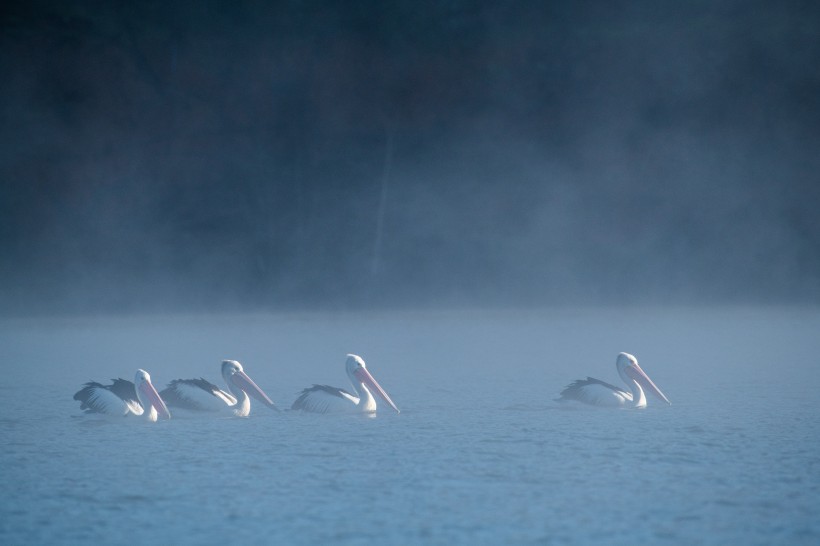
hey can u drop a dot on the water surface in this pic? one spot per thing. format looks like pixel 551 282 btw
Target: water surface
pixel 480 453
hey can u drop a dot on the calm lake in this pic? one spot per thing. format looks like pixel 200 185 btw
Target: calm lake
pixel 480 453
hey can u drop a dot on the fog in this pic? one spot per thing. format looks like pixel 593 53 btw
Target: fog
pixel 266 156
pixel 480 452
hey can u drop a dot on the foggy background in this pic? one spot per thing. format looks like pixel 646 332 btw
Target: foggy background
pixel 267 155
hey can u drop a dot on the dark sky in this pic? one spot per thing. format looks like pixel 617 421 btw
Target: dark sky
pixel 267 155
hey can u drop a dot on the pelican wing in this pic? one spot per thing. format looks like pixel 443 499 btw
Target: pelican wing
pixel 119 398
pixel 595 392
pixel 324 399
pixel 196 394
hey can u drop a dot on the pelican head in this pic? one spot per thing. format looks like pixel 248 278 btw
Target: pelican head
pixel 357 371
pixel 630 372
pixel 235 377
pixel 148 396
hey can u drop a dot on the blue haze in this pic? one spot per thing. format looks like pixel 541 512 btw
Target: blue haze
pixel 479 455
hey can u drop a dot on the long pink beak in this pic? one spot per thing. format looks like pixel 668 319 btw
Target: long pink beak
pixel 245 383
pixel 635 372
pixel 151 394
pixel 364 376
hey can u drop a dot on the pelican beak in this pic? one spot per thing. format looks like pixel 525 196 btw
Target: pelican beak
pixel 241 380
pixel 364 376
pixel 635 372
pixel 151 394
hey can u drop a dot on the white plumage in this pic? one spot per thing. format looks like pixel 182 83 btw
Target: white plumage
pixel 327 399
pixel 199 395
pixel 123 398
pixel 599 393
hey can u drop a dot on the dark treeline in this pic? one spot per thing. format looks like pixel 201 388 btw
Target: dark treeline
pixel 210 155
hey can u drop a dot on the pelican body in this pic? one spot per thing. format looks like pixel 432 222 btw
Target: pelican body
pixel 326 399
pixel 200 395
pixel 123 398
pixel 599 393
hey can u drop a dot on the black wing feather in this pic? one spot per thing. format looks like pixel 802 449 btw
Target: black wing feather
pixel 121 387
pixel 572 391
pixel 303 395
pixel 172 396
pixel 124 389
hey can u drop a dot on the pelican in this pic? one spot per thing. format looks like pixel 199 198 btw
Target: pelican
pixel 203 396
pixel 123 398
pixel 325 399
pixel 598 393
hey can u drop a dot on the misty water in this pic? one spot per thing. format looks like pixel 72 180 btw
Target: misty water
pixel 479 454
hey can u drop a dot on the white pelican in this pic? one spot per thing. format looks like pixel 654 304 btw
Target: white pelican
pixel 598 393
pixel 123 398
pixel 325 399
pixel 201 395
